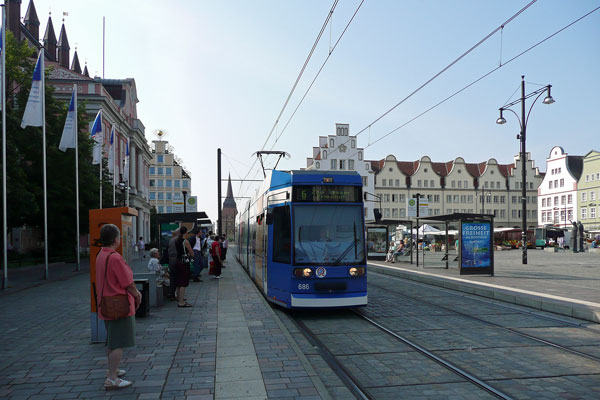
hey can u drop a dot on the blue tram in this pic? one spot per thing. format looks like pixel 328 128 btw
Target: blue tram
pixel 302 239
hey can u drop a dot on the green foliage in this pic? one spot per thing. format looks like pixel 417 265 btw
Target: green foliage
pixel 25 166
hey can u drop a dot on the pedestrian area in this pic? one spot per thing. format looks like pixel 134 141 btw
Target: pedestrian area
pixel 564 283
pixel 231 344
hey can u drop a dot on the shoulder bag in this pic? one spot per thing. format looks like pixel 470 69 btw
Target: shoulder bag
pixel 113 307
pixel 185 258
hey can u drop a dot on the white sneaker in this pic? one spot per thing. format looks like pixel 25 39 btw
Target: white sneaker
pixel 218 277
pixel 120 372
pixel 118 383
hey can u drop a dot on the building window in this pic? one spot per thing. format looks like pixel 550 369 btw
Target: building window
pixel 543 201
pixel 160 170
pixel 342 164
pixel 562 183
pixel 333 164
pixel 570 214
pixel 351 165
pixel 502 199
pixel 353 144
pixel 159 182
pixel 394 213
pixel 386 198
pixel 455 198
pixel 543 216
pixel 186 183
pixel 394 198
pixel 514 213
pixel 324 154
pixel 365 180
pixel 152 195
pixel 431 183
pixel 426 182
pixel 169 209
pixel 360 157
pixel 397 182
pixel 169 183
pixel 555 200
pixel 331 143
pixel 592 195
pixel 502 213
pixel 550 185
pixel 386 212
pixel 584 213
pixel 384 182
pixel 583 196
pixel 177 196
pixel 402 212
pixel 454 184
pixel 570 199
pixel 160 159
pixel 470 199
pixel 562 215
pixel 563 200
pixel 592 212
pixel 556 216
pixel 161 196
pixel 466 185
pixel 168 170
pixel 152 182
pixel 318 165
pixel 492 184
pixel 152 170
pixel 161 209
pixel 419 183
pixel 448 198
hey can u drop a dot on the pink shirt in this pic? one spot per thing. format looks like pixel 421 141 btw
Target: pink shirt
pixel 118 277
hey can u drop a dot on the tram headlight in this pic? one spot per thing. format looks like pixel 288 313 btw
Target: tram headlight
pixel 356 271
pixel 303 272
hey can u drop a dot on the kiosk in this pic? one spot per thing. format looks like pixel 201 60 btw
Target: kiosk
pixel 122 218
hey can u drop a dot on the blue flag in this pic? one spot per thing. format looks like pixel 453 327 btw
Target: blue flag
pixel 96 134
pixel 111 151
pixel 34 110
pixel 126 168
pixel 69 136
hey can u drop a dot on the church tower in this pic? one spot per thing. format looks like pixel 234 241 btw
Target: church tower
pixel 229 212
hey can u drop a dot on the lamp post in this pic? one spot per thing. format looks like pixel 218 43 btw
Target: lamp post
pixel 522 137
pixel 184 201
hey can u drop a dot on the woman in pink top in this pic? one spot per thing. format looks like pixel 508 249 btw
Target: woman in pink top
pixel 114 277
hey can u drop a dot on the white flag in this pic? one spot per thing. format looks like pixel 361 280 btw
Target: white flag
pixel 111 151
pixel 67 140
pixel 96 134
pixel 33 115
pixel 126 168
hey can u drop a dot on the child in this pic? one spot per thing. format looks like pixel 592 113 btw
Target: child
pixel 162 273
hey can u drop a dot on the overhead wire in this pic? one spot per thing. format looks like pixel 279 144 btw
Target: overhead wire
pixel 447 67
pixel 316 42
pixel 481 78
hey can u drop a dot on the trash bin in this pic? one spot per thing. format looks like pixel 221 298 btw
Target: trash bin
pixel 144 287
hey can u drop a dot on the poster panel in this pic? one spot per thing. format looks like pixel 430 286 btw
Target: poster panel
pixel 377 242
pixel 476 244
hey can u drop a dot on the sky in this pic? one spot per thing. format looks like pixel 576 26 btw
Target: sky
pixel 217 73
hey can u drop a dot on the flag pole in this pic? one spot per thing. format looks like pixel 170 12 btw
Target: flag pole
pixel 76 176
pixel 101 139
pixel 44 163
pixel 3 99
pixel 112 148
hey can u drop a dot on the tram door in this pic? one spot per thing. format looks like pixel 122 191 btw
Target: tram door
pixel 260 250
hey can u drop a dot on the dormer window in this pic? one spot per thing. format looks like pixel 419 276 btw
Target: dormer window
pixel 324 154
pixel 360 156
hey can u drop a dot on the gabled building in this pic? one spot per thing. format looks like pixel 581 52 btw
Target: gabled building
pixel 557 194
pixel 457 186
pixel 588 192
pixel 340 152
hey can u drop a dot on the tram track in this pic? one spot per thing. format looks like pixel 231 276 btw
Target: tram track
pixel 495 325
pixel 354 384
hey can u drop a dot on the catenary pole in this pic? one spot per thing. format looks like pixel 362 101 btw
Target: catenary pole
pixel 44 165
pixel 4 205
pixel 219 223
pixel 76 177
pixel 523 173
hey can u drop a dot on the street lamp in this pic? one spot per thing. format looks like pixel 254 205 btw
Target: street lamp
pixel 522 137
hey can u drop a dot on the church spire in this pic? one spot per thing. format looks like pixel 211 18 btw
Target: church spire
pixel 229 200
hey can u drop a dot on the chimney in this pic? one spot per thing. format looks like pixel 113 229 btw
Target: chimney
pixel 32 23
pixel 13 17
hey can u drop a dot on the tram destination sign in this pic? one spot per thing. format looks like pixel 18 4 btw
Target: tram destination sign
pixel 330 194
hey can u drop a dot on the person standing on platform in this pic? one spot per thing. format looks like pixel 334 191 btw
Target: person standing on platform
pixel 172 250
pixel 225 245
pixel 182 267
pixel 196 244
pixel 114 278
pixel 141 248
pixel 215 251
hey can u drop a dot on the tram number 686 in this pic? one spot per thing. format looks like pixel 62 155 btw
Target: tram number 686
pixel 303 286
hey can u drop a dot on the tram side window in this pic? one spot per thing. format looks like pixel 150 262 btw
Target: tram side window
pixel 282 235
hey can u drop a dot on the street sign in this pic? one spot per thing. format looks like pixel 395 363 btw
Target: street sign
pixel 411 207
pixel 192 204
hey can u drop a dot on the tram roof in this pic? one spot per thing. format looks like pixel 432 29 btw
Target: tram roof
pixel 280 179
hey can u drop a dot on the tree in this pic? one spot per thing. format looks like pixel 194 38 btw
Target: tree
pixel 24 160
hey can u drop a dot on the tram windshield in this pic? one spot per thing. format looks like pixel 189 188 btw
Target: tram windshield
pixel 328 234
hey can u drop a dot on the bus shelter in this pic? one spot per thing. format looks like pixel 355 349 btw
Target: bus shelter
pixel 475 241
pixel 167 223
pixel 378 238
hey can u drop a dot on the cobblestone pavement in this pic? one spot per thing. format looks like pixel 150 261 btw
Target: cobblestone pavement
pixel 229 345
pixel 565 274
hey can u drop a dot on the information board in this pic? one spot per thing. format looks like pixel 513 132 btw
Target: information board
pixel 377 242
pixel 411 207
pixel 330 193
pixel 476 247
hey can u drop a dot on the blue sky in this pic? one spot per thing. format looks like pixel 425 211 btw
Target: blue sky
pixel 216 73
